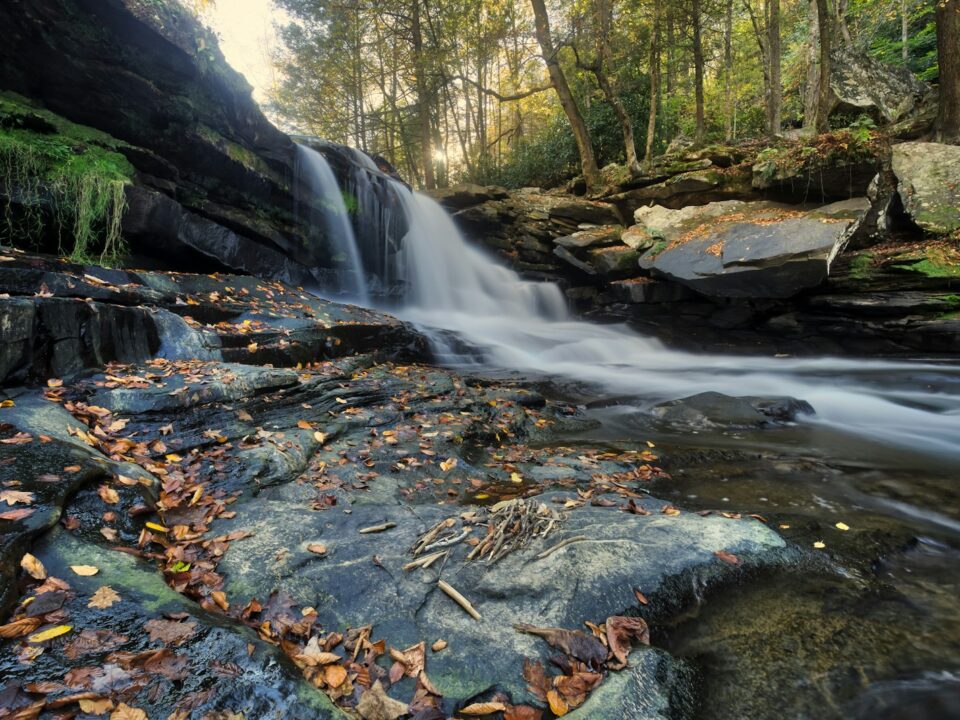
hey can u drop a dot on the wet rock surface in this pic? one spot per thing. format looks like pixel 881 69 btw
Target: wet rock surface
pixel 252 510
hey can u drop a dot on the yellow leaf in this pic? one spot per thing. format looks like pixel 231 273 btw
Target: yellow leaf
pixel 448 464
pixel 220 598
pixel 125 712
pixel 96 707
pixel 252 347
pixel 335 675
pixel 34 567
pixel 7 403
pixel 516 477
pixel 156 527
pixel 558 705
pixel 85 570
pixel 842 526
pixel 819 545
pixel 320 437
pixel 103 598
pixel 483 708
pixel 173 457
pixel 481 496
pixel 50 633
pixel 304 425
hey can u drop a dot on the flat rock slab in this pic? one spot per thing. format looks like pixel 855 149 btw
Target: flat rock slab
pixel 133 652
pixel 360 579
pixel 757 253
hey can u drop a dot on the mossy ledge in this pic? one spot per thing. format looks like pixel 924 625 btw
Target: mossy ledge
pixel 60 183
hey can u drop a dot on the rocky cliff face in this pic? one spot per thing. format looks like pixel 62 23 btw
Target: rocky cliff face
pixel 213 180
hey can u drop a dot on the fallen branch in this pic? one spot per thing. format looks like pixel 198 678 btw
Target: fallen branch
pixel 377 528
pixel 459 599
pixel 549 551
pixel 424 562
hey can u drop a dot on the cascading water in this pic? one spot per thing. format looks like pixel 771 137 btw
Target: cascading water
pixel 518 325
pixel 319 200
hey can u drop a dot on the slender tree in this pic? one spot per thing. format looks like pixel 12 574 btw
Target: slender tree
pixel 775 90
pixel 821 121
pixel 588 160
pixel 948 55
pixel 696 21
pixel 654 85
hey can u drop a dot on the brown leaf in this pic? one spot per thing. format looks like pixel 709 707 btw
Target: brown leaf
pixel 641 598
pixel 375 704
pixel 125 712
pixel 439 645
pixel 622 631
pixel 583 647
pixel 317 548
pixel 413 658
pixel 103 598
pixel 220 598
pixel 20 627
pixel 482 708
pixel 727 557
pixel 18 514
pixel 244 415
pixel 536 677
pixel 170 631
pixel 522 712
pixel 93 641
pixel 33 567
pixel 334 675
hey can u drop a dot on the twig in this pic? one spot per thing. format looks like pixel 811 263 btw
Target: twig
pixel 459 599
pixel 447 542
pixel 549 551
pixel 425 561
pixel 377 528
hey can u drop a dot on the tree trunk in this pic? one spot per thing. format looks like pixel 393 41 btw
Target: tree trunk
pixel 821 122
pixel 588 161
pixel 654 86
pixel 423 104
pixel 700 130
pixel 728 72
pixel 604 65
pixel 812 92
pixel 948 43
pixel 775 97
pixel 904 32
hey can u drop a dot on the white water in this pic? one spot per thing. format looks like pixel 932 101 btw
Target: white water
pixel 314 172
pixel 525 326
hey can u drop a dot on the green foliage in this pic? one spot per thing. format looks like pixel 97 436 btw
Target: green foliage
pixel 56 178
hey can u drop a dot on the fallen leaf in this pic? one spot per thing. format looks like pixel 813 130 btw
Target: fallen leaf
pixel 169 631
pixel 34 567
pixel 103 598
pixel 125 712
pixel 558 706
pixel 50 633
pixel 413 658
pixel 108 494
pixel 483 708
pixel 18 514
pixel 375 704
pixel 320 437
pixel 317 548
pixel 157 528
pixel 334 675
pixel 448 465
pixel 96 707
pixel 12 497
pixel 583 647
pixel 220 598
pixel 85 570
pixel 522 712
pixel 516 477
pixel 641 598
pixel 622 632
pixel 304 425
pixel 245 416
pixel 19 627
pixel 819 544
pixel 727 557
pixel 439 645
pixel 842 526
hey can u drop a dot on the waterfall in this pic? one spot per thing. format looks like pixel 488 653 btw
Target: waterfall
pixel 319 201
pixel 498 319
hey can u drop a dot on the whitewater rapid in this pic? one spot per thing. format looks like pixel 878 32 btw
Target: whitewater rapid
pixel 512 324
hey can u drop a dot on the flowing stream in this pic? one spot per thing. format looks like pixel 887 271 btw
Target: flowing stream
pixel 872 631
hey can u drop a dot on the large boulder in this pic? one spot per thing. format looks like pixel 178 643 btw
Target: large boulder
pixel 861 84
pixel 758 252
pixel 928 176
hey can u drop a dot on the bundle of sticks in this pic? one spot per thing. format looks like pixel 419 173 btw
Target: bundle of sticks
pixel 510 524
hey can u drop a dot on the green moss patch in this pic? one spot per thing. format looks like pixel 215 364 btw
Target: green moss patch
pixel 59 178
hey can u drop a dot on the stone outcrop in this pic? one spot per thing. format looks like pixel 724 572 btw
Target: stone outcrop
pixel 928 182
pixel 861 84
pixel 758 252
